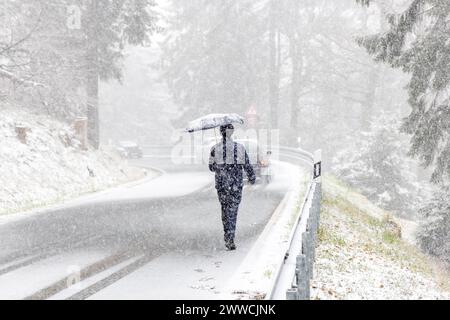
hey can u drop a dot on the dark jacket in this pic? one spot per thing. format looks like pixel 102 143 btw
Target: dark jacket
pixel 228 160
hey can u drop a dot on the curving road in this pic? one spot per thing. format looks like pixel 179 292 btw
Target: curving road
pixel 161 239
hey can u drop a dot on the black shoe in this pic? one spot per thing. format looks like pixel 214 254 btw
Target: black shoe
pixel 231 246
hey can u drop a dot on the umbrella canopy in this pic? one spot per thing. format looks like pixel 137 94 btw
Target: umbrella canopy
pixel 214 121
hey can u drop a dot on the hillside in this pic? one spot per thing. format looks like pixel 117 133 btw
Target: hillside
pixel 50 167
pixel 362 254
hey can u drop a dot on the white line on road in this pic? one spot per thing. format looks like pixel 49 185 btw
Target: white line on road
pixel 78 287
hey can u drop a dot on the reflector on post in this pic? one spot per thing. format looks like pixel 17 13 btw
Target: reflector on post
pixel 318 166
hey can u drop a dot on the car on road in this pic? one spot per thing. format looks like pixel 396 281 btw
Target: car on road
pixel 130 150
pixel 260 160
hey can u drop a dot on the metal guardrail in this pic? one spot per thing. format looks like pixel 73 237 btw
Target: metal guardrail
pixel 297 270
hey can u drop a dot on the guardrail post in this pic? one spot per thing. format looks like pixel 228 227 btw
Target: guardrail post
pixel 307 252
pixel 311 255
pixel 319 201
pixel 315 215
pixel 291 294
pixel 313 238
pixel 310 244
pixel 303 286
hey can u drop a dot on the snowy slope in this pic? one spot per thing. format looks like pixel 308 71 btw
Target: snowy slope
pixel 360 258
pixel 50 168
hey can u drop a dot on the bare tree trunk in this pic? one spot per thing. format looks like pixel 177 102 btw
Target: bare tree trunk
pixel 92 81
pixel 368 108
pixel 295 105
pixel 375 74
pixel 294 51
pixel 274 68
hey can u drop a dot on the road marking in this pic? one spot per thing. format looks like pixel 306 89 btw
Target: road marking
pixel 14 264
pixel 17 261
pixel 77 287
pixel 85 273
pixel 99 286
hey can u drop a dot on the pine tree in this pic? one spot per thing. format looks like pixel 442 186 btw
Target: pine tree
pixel 417 44
pixel 377 164
pixel 217 57
pixel 331 79
pixel 66 59
pixel 108 27
pixel 434 231
pixel 37 54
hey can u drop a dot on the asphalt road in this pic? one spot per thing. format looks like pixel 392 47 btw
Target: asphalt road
pixel 104 242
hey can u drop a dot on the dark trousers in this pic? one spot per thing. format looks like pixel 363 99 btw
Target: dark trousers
pixel 230 201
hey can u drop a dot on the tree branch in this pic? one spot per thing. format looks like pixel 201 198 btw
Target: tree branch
pixel 8 75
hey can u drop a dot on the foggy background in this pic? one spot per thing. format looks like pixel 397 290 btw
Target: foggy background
pixel 141 70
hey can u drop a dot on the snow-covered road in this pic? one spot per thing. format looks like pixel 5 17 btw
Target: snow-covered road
pixel 155 240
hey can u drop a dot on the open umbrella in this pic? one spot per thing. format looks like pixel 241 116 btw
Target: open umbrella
pixel 213 121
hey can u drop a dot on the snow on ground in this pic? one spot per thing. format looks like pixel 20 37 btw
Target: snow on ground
pixel 50 168
pixel 360 258
pixel 26 281
pixel 213 274
pixel 165 186
pixel 179 276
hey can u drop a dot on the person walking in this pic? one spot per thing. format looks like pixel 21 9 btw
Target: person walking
pixel 228 161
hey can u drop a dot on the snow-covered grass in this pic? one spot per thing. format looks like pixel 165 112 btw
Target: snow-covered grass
pixel 50 167
pixel 360 256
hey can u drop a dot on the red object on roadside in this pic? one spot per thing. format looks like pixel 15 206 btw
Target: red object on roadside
pixel 252 116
